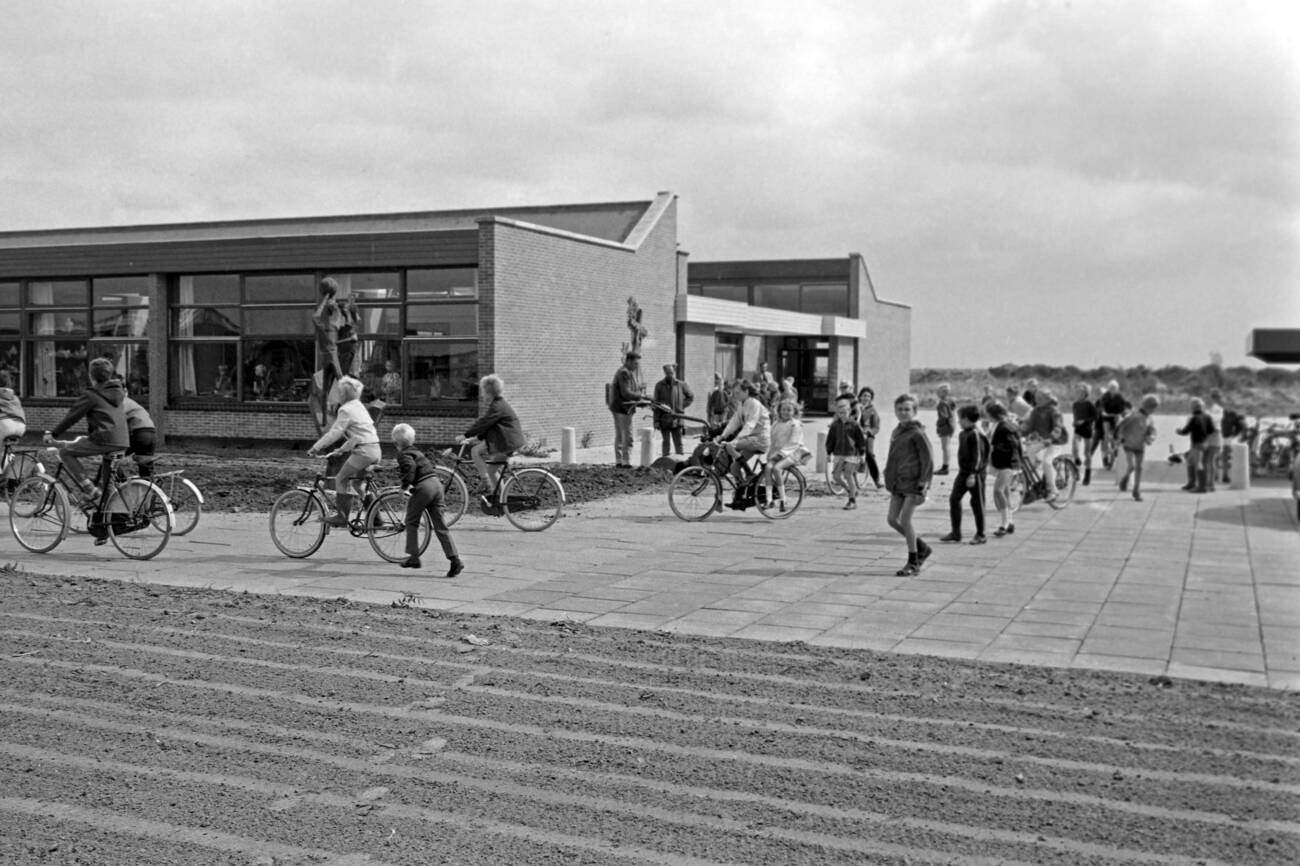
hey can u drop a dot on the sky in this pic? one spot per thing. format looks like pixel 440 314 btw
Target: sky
pixel 1048 182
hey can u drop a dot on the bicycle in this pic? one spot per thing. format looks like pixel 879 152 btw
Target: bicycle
pixel 860 475
pixel 17 464
pixel 135 514
pixel 695 491
pixel 181 492
pixel 529 497
pixel 1109 441
pixel 1028 486
pixel 298 519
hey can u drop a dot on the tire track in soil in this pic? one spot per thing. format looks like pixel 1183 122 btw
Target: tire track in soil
pixel 293 726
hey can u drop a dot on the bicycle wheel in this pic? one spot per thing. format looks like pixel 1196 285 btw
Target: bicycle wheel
pixel 532 499
pixel 21 467
pixel 1067 479
pixel 694 493
pixel 298 523
pixel 785 500
pixel 38 513
pixel 386 527
pixel 187 502
pixel 455 495
pixel 139 519
pixel 833 484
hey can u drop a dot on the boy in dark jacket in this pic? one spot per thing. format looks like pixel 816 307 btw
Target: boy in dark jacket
pixel 1199 427
pixel 972 464
pixel 845 445
pixel 417 476
pixel 909 470
pixel 101 406
pixel 499 435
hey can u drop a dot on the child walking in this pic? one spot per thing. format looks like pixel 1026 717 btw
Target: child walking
pixel 1004 456
pixel 946 407
pixel 972 464
pixel 1135 432
pixel 909 469
pixel 417 475
pixel 845 443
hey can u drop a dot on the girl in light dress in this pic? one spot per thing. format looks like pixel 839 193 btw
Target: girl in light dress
pixel 787 446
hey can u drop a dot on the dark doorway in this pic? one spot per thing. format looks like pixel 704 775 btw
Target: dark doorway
pixel 807 359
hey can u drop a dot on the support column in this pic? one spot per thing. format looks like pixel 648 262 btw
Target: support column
pixel 158 360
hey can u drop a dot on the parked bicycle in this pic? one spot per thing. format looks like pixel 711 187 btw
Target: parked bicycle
pixel 133 514
pixel 528 496
pixel 695 491
pixel 1028 485
pixel 182 493
pixel 299 517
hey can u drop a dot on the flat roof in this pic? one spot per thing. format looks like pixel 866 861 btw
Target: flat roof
pixel 1274 345
pixel 612 221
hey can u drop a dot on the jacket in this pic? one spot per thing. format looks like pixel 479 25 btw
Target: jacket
pixel 11 408
pixel 413 465
pixel 675 394
pixel 845 439
pixel 1045 422
pixel 787 440
pixel 353 424
pixel 1086 415
pixel 972 452
pixel 1199 426
pixel 869 421
pixel 628 391
pixel 909 468
pixel 1136 431
pixel 101 406
pixel 136 416
pixel 1004 452
pixel 499 428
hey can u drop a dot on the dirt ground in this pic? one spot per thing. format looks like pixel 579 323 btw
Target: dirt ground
pixel 156 725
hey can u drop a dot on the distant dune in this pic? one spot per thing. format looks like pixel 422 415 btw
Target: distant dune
pixel 1271 391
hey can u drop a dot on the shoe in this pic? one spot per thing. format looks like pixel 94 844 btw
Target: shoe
pixel 942 470
pixel 1011 529
pixel 101 541
pixel 1123 484
pixel 951 538
pixel 338 518
pixel 781 505
pixel 456 567
pixel 411 562
pixel 923 552
pixel 1189 488
pixel 490 508
pixel 979 539
pixel 740 504
pixel 1137 497
pixel 850 505
pixel 999 532
pixel 911 568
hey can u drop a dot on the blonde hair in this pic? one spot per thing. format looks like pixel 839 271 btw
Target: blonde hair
pixel 348 385
pixel 492 384
pixel 403 434
pixel 794 408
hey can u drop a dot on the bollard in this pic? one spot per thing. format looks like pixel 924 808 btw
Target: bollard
pixel 821 452
pixel 568 444
pixel 1239 469
pixel 647 437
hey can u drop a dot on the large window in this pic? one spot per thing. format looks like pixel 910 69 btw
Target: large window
pixel 252 337
pixel 818 298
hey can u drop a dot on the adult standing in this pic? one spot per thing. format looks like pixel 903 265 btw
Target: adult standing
pixel 676 395
pixel 626 394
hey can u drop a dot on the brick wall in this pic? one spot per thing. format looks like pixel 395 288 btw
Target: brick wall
pixel 553 320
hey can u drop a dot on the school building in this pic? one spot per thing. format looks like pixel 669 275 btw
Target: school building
pixel 210 324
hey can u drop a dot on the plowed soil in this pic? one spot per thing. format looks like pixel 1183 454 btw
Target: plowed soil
pixel 144 724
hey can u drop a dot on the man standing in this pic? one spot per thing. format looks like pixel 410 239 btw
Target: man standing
pixel 676 395
pixel 626 394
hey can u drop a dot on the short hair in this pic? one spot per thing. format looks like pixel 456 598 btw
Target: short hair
pixel 996 410
pixel 354 386
pixel 794 408
pixel 1150 403
pixel 492 384
pixel 1085 388
pixel 404 433
pixel 970 412
pixel 101 370
pixel 849 398
pixel 747 386
pixel 868 390
pixel 1197 403
pixel 943 386
pixel 905 398
pixel 329 284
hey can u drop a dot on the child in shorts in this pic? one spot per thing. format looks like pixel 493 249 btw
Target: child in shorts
pixel 845 444
pixel 1135 432
pixel 909 469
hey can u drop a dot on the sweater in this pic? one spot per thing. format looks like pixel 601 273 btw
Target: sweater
pixel 910 466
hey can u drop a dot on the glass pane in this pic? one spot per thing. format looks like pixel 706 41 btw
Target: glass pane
pixel 11 361
pixel 205 322
pixel 57 368
pixel 121 322
pixel 380 366
pixel 205 370
pixel 130 362
pixel 215 289
pixel 120 291
pixel 726 293
pixel 383 286
pixel 442 320
pixel 827 299
pixel 383 321
pixel 265 288
pixel 58 293
pixel 9 323
pixel 50 324
pixel 10 294
pixel 777 296
pixel 278 369
pixel 694 289
pixel 441 371
pixel 279 320
pixel 429 285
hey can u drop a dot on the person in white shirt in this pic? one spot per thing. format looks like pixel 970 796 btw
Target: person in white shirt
pixel 355 427
pixel 749 432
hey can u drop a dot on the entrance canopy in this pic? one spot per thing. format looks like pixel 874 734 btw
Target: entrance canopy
pixel 1275 345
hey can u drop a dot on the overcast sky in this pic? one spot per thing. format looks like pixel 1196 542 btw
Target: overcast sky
pixel 1084 182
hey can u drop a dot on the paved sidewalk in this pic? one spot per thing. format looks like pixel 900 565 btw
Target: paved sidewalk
pixel 1201 586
